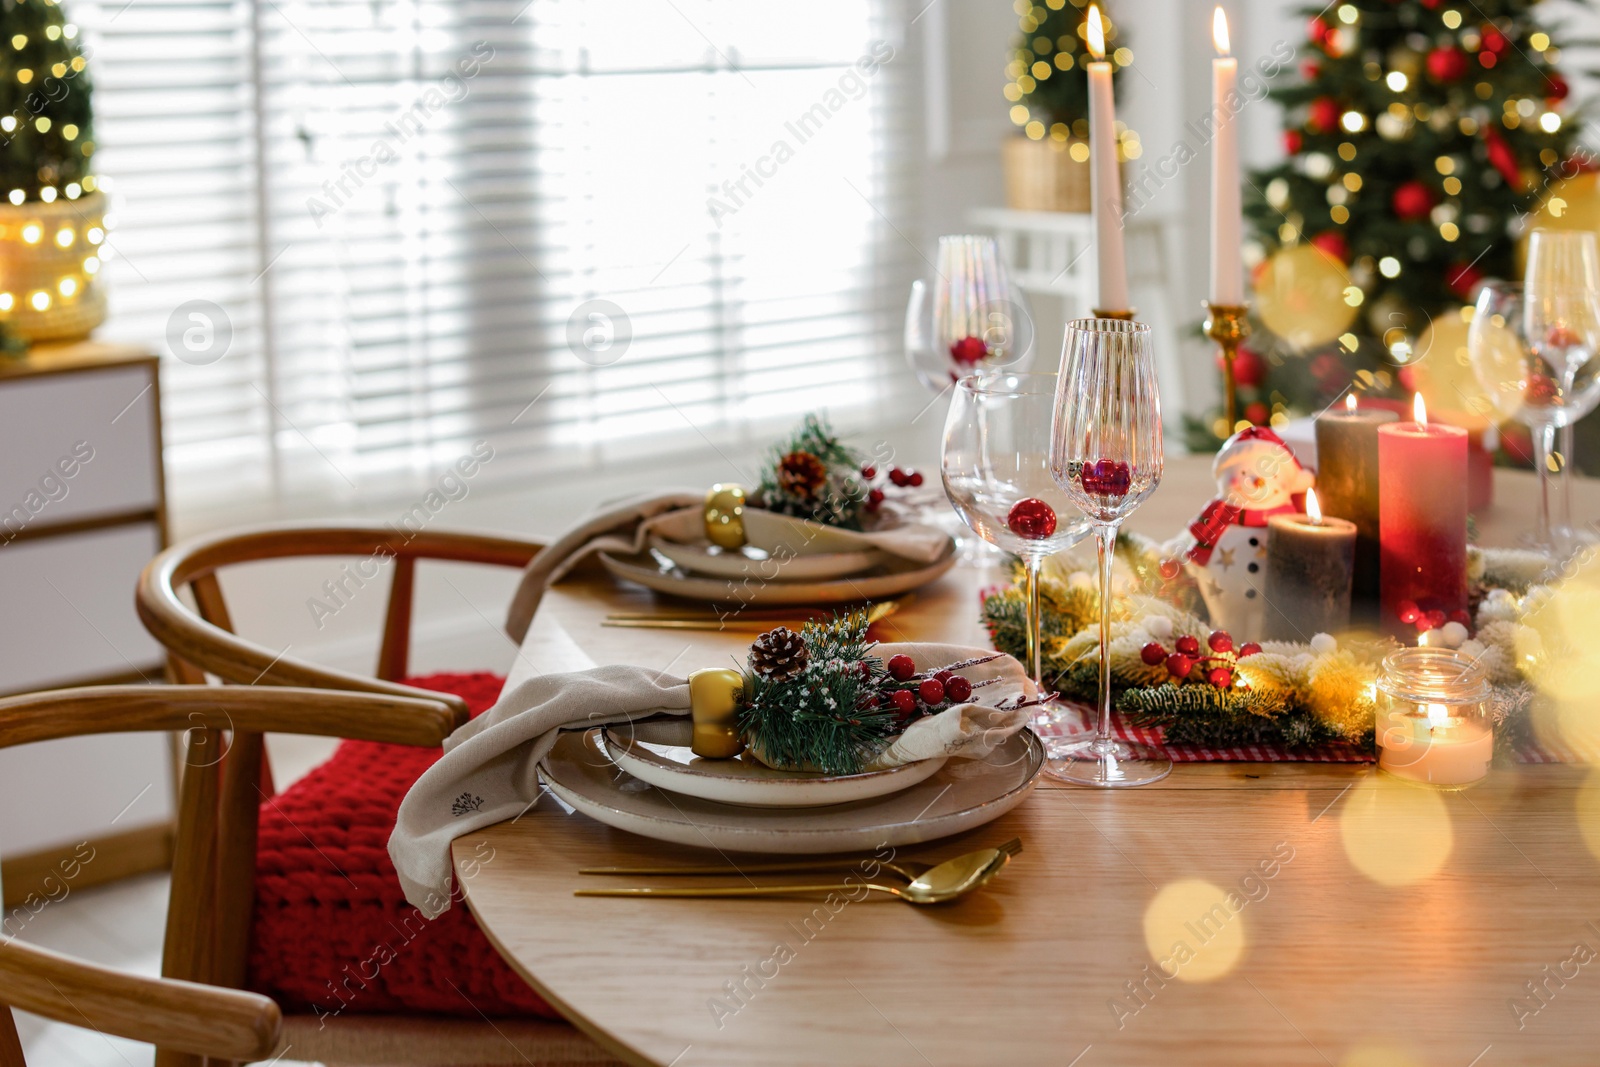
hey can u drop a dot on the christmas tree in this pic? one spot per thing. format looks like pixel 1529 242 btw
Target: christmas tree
pixel 46 140
pixel 1049 87
pixel 1419 134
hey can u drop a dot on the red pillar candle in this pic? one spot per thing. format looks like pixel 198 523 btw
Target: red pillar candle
pixel 1422 516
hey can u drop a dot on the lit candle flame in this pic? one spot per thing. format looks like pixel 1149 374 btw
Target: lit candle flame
pixel 1313 509
pixel 1349 398
pixel 1419 410
pixel 1219 31
pixel 1097 33
pixel 1438 715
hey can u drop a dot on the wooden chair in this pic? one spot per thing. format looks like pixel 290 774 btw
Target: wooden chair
pixel 197 1020
pixel 203 641
pixel 212 870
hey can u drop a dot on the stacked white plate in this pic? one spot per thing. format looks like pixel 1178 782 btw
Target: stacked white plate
pixel 787 561
pixel 642 777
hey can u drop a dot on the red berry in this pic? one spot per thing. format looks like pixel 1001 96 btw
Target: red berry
pixel 1249 648
pixel 901 667
pixel 875 496
pixel 1461 615
pixel 869 472
pixel 1169 568
pixel 1220 641
pixel 1187 645
pixel 914 479
pixel 1408 611
pixel 1436 619
pixel 968 350
pixel 931 691
pixel 1153 653
pixel 869 701
pixel 958 689
pixel 1220 677
pixel 1031 518
pixel 897 476
pixel 1179 666
pixel 904 701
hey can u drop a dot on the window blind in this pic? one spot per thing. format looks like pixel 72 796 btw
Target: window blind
pixel 366 233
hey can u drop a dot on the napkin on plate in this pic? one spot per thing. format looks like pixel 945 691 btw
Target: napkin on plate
pixel 625 528
pixel 489 771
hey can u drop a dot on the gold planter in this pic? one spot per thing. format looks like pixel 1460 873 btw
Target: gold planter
pixel 1044 176
pixel 50 288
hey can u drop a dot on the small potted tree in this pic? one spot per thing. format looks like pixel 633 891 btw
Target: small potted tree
pixel 1047 164
pixel 52 225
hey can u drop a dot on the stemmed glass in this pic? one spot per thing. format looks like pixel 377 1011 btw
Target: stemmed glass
pixel 996 471
pixel 1106 456
pixel 977 320
pixel 1561 309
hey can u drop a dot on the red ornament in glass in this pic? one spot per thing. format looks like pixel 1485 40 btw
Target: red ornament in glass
pixel 1031 518
pixel 968 350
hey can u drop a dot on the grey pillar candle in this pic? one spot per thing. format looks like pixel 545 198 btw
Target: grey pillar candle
pixel 1347 484
pixel 1309 565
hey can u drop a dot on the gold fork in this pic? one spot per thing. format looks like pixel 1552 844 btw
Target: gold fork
pixel 910 870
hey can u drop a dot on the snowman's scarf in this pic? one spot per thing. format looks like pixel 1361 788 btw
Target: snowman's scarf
pixel 1218 516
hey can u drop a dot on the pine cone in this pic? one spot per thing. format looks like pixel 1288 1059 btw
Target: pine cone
pixel 801 474
pixel 779 655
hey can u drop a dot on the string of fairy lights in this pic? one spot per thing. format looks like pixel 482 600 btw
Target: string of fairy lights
pixel 1040 56
pixel 49 253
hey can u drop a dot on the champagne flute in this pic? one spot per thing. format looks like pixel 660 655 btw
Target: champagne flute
pixel 996 472
pixel 976 321
pixel 1106 456
pixel 1561 307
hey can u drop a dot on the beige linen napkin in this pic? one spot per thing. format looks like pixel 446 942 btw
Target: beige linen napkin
pixel 489 771
pixel 625 528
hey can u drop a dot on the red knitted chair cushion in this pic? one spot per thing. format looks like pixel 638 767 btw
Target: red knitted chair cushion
pixel 332 932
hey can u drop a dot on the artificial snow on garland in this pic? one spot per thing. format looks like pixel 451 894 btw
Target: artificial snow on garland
pixel 1203 686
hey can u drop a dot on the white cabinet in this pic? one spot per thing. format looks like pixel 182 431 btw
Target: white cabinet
pixel 81 512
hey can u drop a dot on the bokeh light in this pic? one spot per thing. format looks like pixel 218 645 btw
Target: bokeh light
pixel 1190 928
pixel 1395 833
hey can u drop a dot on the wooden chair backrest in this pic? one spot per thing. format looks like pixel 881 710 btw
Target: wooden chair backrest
pixel 206 642
pixel 213 869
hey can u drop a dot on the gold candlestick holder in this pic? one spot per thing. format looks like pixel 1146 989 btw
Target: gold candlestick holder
pixel 1228 325
pixel 1125 316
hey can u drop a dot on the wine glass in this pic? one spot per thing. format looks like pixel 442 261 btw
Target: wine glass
pixel 977 320
pixel 1106 456
pixel 996 472
pixel 1561 306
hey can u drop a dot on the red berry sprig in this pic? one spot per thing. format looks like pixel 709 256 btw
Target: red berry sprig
pixel 1217 665
pixel 913 694
pixel 898 477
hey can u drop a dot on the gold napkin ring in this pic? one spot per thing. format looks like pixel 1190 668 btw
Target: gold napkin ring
pixel 724 516
pixel 714 694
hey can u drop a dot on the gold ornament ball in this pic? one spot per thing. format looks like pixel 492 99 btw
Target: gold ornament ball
pixel 714 695
pixel 724 516
pixel 1300 296
pixel 1570 204
pixel 1441 370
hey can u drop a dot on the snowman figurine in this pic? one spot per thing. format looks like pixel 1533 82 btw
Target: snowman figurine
pixel 1225 549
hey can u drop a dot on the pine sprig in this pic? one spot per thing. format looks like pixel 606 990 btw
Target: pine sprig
pixel 819 720
pixel 839 500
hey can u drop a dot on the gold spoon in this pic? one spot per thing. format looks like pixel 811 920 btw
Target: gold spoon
pixel 910 870
pixel 938 885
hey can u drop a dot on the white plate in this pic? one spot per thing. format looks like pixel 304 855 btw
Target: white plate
pixel 896 575
pixel 659 753
pixel 705 558
pixel 963 795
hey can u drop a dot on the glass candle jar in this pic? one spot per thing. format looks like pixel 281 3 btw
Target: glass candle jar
pixel 1433 717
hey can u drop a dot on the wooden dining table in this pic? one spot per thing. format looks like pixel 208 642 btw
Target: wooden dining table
pixel 1232 914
